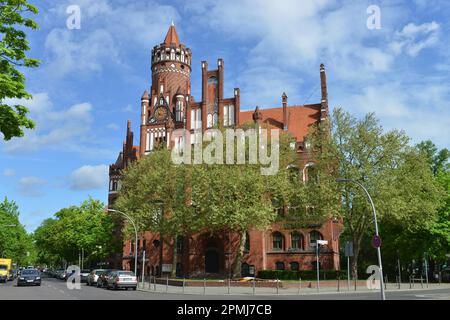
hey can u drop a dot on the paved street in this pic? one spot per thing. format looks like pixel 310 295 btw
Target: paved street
pixel 53 289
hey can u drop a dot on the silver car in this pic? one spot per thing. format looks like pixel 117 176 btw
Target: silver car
pixel 122 279
pixel 93 276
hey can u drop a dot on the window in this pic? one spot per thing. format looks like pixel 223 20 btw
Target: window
pixel 279 265
pixel 245 269
pixel 228 116
pixel 311 173
pixel 180 244
pixel 277 241
pixel 278 208
pixel 295 266
pixel 314 236
pixel 296 240
pixel 179 111
pixel 209 121
pixel 196 119
pixel 247 242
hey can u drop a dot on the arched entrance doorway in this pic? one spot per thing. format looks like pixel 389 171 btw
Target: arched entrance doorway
pixel 212 261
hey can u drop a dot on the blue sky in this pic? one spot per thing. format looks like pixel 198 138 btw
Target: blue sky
pixel 91 80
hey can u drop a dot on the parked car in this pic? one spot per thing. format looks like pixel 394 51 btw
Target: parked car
pixel 122 279
pixel 29 277
pixel 60 274
pixel 103 278
pixel 84 275
pixel 93 276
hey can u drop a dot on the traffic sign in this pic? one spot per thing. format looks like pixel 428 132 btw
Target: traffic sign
pixel 349 249
pixel 376 241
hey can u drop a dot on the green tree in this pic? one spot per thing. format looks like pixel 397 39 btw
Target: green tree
pixel 85 227
pixel 13 47
pixel 396 175
pixel 15 243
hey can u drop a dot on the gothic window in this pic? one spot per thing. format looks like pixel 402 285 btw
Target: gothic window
pixel 215 119
pixel 172 55
pixel 209 121
pixel 196 119
pixel 179 111
pixel 296 240
pixel 180 245
pixel 182 56
pixel 277 241
pixel 247 242
pixel 314 236
pixel 228 115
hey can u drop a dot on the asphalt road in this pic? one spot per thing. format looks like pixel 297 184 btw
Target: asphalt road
pixel 53 289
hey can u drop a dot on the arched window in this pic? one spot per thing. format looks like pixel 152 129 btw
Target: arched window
pixel 247 242
pixel 279 265
pixel 314 236
pixel 209 121
pixel 310 173
pixel 296 241
pixel 179 111
pixel 277 241
pixel 295 266
pixel 172 55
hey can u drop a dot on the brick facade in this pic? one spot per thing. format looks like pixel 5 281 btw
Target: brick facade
pixel 168 106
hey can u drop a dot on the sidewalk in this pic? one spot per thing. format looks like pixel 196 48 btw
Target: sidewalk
pixel 215 290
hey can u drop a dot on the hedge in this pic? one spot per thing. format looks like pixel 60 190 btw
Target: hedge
pixel 303 274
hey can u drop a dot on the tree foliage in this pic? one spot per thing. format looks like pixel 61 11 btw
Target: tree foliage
pixel 85 227
pixel 396 175
pixel 15 243
pixel 14 18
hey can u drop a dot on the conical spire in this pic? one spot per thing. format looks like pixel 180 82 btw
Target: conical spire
pixel 172 36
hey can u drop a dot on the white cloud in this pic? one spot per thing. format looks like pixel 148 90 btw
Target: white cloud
pixel 89 177
pixel 414 38
pixel 113 126
pixel 31 186
pixel 63 129
pixel 113 29
pixel 9 172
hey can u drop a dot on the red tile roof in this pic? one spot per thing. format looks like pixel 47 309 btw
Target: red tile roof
pixel 300 118
pixel 172 37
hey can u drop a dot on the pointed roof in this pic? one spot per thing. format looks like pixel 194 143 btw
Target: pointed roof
pixel 172 36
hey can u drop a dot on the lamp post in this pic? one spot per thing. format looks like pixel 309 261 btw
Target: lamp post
pixel 136 237
pixel 380 266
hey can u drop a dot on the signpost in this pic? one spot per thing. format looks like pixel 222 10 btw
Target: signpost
pixel 318 244
pixel 348 254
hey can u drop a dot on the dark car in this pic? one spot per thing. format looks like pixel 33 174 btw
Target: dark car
pixel 102 281
pixel 29 277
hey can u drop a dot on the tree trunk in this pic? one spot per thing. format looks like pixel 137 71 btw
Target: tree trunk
pixel 240 253
pixel 356 249
pixel 174 259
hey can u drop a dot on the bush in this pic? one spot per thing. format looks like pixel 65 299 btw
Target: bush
pixel 303 274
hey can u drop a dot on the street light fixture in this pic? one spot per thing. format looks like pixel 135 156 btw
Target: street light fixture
pixel 136 237
pixel 383 297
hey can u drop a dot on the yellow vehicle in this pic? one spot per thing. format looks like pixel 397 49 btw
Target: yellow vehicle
pixel 5 269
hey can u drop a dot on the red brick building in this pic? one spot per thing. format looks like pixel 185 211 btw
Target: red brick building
pixel 169 106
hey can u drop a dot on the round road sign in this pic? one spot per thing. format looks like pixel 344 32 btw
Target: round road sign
pixel 376 241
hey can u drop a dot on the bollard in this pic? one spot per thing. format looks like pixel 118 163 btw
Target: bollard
pixel 338 279
pixel 277 286
pixel 254 284
pixel 385 282
pixel 204 286
pixel 410 282
pixel 421 280
pixel 167 282
pixel 229 284
pixel 299 285
pixel 184 283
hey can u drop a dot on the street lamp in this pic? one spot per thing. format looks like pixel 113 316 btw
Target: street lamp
pixel 383 297
pixel 136 234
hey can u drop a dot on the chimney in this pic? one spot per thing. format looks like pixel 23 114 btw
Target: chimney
pixel 285 112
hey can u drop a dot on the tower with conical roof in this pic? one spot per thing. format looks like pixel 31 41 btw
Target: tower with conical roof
pixel 169 97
